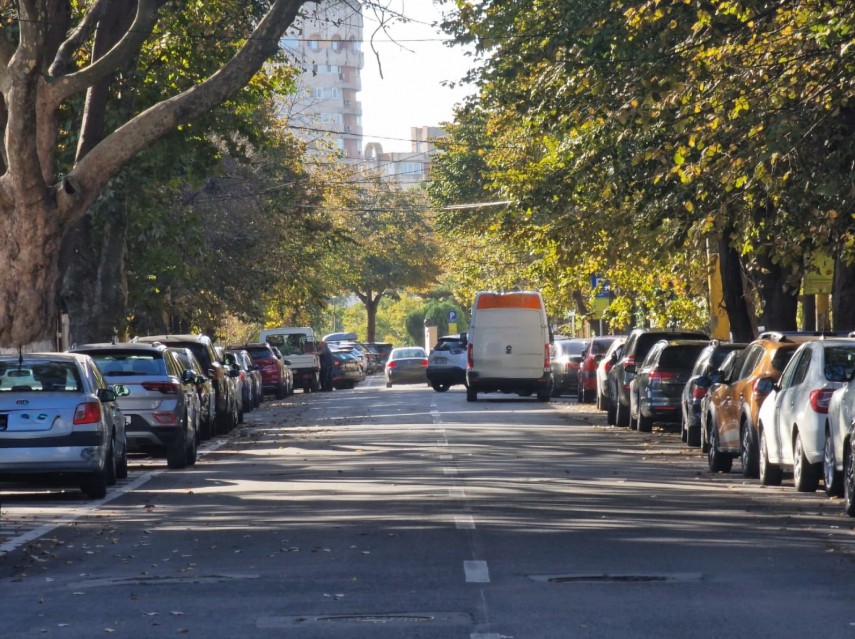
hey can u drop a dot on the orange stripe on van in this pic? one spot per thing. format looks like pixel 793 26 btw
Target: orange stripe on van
pixel 508 300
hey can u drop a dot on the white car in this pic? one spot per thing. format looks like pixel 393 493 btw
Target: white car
pixel 612 355
pixel 841 412
pixel 794 416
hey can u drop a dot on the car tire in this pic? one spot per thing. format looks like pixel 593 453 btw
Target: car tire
pixel 849 481
pixel 749 454
pixel 122 466
pixel 95 486
pixel 176 453
pixel 193 450
pixel 440 387
pixel 544 395
pixel 611 414
pixel 832 478
pixel 621 414
pixel 388 384
pixel 770 474
pixel 805 474
pixel 693 436
pixel 471 394
pixel 645 424
pixel 719 462
pixel 281 391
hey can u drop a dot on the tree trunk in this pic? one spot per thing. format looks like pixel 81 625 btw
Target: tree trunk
pixel 733 290
pixel 780 300
pixel 94 289
pixel 809 312
pixel 842 306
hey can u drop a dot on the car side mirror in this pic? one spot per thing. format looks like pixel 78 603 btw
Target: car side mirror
pixel 107 395
pixel 121 390
pixel 234 371
pixel 188 377
pixel 765 385
pixel 703 382
pixel 629 368
pixel 287 362
pixel 201 379
pixel 716 377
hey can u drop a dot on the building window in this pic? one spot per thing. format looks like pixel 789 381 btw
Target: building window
pixel 314 45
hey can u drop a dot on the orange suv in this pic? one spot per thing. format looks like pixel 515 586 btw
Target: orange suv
pixel 729 410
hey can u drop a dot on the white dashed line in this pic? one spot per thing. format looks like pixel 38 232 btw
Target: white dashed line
pixel 464 522
pixel 449 471
pixel 456 493
pixel 476 572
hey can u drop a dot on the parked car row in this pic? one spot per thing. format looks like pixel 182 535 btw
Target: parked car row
pixel 783 403
pixel 73 418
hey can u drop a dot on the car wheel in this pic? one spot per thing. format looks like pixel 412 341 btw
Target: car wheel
pixel 611 413
pixel 110 464
pixel 388 383
pixel 719 462
pixel 440 388
pixel 621 413
pixel 832 477
pixel 556 390
pixel 849 482
pixel 176 453
pixel 749 456
pixel 770 474
pixel 805 474
pixel 471 394
pixel 281 391
pixel 95 486
pixel 122 466
pixel 645 424
pixel 193 449
pixel 684 425
pixel 544 395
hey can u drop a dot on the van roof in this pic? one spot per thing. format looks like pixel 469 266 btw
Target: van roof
pixel 527 299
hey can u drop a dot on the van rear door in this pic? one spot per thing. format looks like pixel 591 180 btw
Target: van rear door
pixel 510 343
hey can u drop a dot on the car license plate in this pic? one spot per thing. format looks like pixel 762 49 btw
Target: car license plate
pixel 440 360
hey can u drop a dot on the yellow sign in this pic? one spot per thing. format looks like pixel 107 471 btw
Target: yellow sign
pixel 819 278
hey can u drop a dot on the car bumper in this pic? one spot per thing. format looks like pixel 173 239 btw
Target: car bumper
pixel 75 453
pixel 506 384
pixel 446 375
pixel 144 436
pixel 415 376
pixel 661 409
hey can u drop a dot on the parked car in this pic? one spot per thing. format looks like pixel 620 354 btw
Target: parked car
pixel 276 376
pixel 638 344
pixel 657 386
pixel 447 362
pixel 611 357
pixel 591 357
pixel 793 421
pixel 240 360
pixel 729 410
pixel 383 349
pixel 60 423
pixel 346 371
pixel 565 359
pixel 161 406
pixel 204 391
pixel 710 359
pixel 221 377
pixel 406 365
pixel 838 445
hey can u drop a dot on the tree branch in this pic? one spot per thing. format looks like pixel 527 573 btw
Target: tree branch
pixel 83 30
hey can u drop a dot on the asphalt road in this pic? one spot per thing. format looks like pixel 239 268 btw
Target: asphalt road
pixel 384 513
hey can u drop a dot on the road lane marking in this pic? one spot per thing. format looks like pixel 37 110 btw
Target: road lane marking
pixel 464 522
pixel 446 457
pixel 449 470
pixel 456 493
pixel 476 572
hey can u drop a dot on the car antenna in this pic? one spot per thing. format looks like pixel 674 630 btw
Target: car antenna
pixel 20 357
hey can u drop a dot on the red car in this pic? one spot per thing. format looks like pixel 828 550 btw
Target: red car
pixel 276 377
pixel 591 357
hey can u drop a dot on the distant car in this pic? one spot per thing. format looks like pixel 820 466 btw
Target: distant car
pixel 240 359
pixel 383 349
pixel 591 356
pixel 612 355
pixel 204 390
pixel 406 365
pixel 160 404
pixel 794 416
pixel 565 360
pixel 447 362
pixel 346 371
pixel 637 345
pixel 60 423
pixel 656 389
pixel 710 359
pixel 276 375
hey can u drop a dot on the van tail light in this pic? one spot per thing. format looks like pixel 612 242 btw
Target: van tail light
pixel 88 413
pixel 545 358
pixel 167 388
pixel 820 398
pixel 470 360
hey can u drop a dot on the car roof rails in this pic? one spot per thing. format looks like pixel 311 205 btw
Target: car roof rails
pixel 775 336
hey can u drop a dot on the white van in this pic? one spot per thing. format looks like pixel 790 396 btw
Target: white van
pixel 509 341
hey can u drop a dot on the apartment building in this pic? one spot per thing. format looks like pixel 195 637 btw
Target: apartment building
pixel 326 43
pixel 408 168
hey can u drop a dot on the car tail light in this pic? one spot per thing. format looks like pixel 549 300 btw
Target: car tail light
pixel 699 392
pixel 820 398
pixel 392 365
pixel 166 419
pixel 657 378
pixel 167 388
pixel 424 362
pixel 88 413
pixel 608 366
pixel 589 364
pixel 629 360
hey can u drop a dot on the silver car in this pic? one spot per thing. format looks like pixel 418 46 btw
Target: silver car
pixel 160 400
pixel 60 423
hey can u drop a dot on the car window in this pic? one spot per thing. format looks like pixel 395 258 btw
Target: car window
pixel 782 357
pixel 752 356
pixel 653 355
pixel 838 363
pixel 40 376
pixel 791 372
pixel 126 364
pixel 680 358
pixel 704 359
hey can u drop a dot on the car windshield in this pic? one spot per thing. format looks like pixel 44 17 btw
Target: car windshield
pixel 680 358
pixel 839 363
pixel 448 345
pixel 39 375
